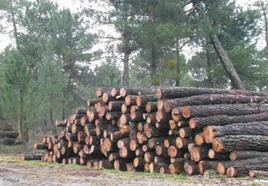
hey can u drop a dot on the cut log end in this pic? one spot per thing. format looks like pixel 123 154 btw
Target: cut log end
pixel 233 156
pixel 172 151
pixel 159 93
pixel 99 92
pixel 211 154
pixel 209 134
pixel 201 167
pixel 149 107
pixel 123 92
pixel 218 145
pixel 179 143
pixel 199 140
pixel 124 108
pixel 253 173
pixel 231 172
pixel 105 97
pixel 160 104
pixel 167 106
pixel 195 154
pixel 193 123
pixel 133 144
pixel 190 168
pixel 172 124
pixel 186 112
pixel 160 116
pixel 115 92
pixel 176 114
pixel 221 169
pixel 139 101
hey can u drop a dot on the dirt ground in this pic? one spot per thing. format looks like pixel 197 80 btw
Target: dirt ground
pixel 17 172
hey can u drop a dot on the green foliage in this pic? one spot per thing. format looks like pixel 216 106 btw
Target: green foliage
pixel 107 75
pixel 17 90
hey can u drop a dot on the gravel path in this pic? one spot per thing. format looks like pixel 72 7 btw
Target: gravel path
pixel 19 173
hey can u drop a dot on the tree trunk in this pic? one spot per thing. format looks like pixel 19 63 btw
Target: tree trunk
pixel 178 69
pixel 208 69
pixel 14 26
pixel 9 134
pixel 54 129
pixel 227 63
pixel 126 70
pixel 265 17
pixel 153 65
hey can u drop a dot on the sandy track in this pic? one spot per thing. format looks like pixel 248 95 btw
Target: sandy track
pixel 19 173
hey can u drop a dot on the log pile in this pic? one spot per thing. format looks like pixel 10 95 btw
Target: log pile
pixel 7 135
pixel 166 130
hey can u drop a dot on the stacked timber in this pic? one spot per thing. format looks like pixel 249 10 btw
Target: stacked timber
pixel 7 135
pixel 166 130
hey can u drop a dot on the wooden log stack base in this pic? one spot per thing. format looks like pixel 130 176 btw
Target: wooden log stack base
pixel 166 130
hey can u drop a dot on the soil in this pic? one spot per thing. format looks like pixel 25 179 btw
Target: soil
pixel 17 172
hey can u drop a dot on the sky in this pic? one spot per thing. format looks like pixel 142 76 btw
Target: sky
pixel 75 5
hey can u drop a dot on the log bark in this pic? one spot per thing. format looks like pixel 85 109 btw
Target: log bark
pixel 142 100
pixel 204 165
pixel 212 154
pixel 151 107
pixel 176 168
pixel 139 163
pixel 35 156
pixel 137 91
pixel 120 165
pixel 115 92
pixel 40 146
pixel 130 100
pixel 190 168
pixel 92 102
pixel 252 128
pixel 155 167
pixel 228 109
pixel 201 122
pixel 240 142
pixel 258 173
pixel 240 155
pixel 101 91
pixel 199 153
pixel 212 99
pixel 235 171
pixel 180 92
pixel 61 123
pixel 182 142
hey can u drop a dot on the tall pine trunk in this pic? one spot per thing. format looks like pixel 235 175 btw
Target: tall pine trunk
pixel 153 65
pixel 227 63
pixel 178 69
pixel 208 69
pixel 265 16
pixel 126 70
